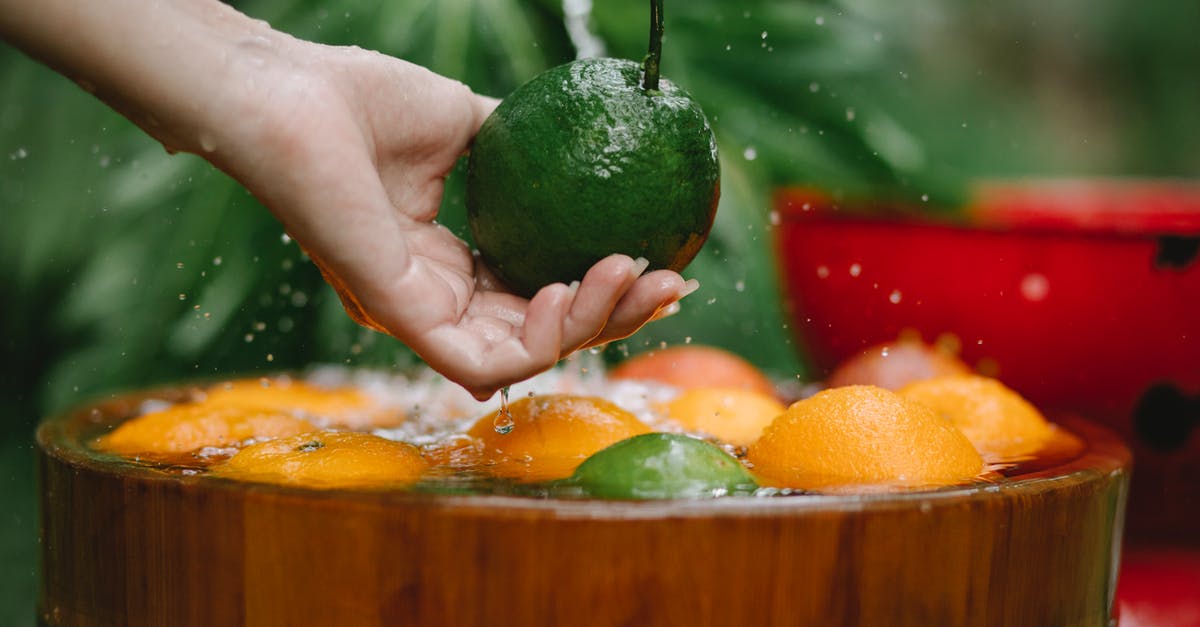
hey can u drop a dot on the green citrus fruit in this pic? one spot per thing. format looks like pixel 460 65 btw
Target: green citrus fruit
pixel 582 162
pixel 662 466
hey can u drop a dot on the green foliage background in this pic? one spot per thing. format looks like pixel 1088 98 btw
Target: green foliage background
pixel 121 266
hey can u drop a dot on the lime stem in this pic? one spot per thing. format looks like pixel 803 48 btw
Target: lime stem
pixel 650 65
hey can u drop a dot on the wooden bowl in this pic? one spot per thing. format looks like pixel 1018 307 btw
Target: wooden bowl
pixel 130 545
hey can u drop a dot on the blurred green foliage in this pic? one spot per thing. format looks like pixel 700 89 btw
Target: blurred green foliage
pixel 121 266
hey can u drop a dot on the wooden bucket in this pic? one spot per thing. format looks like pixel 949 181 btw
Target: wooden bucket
pixel 129 545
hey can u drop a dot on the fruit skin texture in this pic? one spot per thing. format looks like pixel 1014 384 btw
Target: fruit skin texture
pixel 581 162
pixel 662 466
pixel 552 435
pixel 327 459
pixel 997 420
pixel 192 426
pixel 733 415
pixel 859 435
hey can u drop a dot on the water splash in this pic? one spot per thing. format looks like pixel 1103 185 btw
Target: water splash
pixel 503 422
pixel 577 17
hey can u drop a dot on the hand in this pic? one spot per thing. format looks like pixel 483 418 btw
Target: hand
pixel 350 150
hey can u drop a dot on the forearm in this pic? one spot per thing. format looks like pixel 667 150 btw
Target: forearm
pixel 170 66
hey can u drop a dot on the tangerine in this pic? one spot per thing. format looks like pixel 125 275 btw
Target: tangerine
pixel 694 366
pixel 858 435
pixel 997 420
pixel 327 459
pixel 190 427
pixel 733 415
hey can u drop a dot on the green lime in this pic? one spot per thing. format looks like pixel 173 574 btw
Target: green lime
pixel 584 161
pixel 662 466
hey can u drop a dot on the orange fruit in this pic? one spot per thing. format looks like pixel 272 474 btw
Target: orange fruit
pixel 893 365
pixel 858 435
pixel 346 407
pixel 551 435
pixel 997 420
pixel 692 366
pixel 327 459
pixel 192 426
pixel 733 415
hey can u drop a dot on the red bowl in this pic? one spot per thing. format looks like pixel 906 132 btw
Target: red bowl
pixel 1082 295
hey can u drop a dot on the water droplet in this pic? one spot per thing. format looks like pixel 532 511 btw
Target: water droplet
pixel 750 153
pixel 814 87
pixel 179 265
pixel 850 115
pixel 217 261
pixel 687 340
pixel 884 352
pixel 260 326
pixel 774 218
pixel 764 34
pixel 207 142
pixel 1035 287
pixel 728 47
pixel 855 269
pixel 924 197
pixel 823 272
pixel 878 36
pixel 249 337
pixel 740 286
pixel 894 297
pixel 21 153
pixel 285 238
pixel 503 423
pixel 182 296
pixel 820 20
pixel 270 357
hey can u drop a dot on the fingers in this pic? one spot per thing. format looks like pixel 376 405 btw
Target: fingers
pixel 654 296
pixel 604 285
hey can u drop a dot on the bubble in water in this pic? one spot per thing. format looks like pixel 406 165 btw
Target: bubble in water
pixel 750 153
pixel 503 422
pixel 894 297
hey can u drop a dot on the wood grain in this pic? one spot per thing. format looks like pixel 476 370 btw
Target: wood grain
pixel 123 545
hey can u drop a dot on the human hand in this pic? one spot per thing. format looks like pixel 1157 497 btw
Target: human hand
pixel 350 150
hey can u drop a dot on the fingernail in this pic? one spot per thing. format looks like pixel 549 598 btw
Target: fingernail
pixel 667 311
pixel 689 286
pixel 573 288
pixel 639 266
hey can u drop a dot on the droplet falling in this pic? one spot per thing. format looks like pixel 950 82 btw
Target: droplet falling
pixel 503 422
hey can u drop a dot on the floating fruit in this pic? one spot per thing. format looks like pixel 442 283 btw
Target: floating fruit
pixel 190 427
pixel 893 365
pixel 997 420
pixel 733 415
pixel 327 459
pixel 662 466
pixel 858 435
pixel 694 366
pixel 551 435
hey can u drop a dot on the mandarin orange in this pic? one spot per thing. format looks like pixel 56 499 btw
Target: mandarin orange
pixel 340 406
pixel 733 415
pixel 326 459
pixel 857 435
pixel 552 435
pixel 997 420
pixel 692 366
pixel 893 365
pixel 192 426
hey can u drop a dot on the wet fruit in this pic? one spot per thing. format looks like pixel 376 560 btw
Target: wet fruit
pixel 192 426
pixel 858 435
pixel 997 420
pixel 893 365
pixel 694 366
pixel 586 160
pixel 662 466
pixel 339 406
pixel 732 415
pixel 327 459
pixel 551 435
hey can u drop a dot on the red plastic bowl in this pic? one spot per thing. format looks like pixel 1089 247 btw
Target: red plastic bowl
pixel 1081 295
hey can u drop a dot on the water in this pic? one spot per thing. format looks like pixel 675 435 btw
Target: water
pixel 503 422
